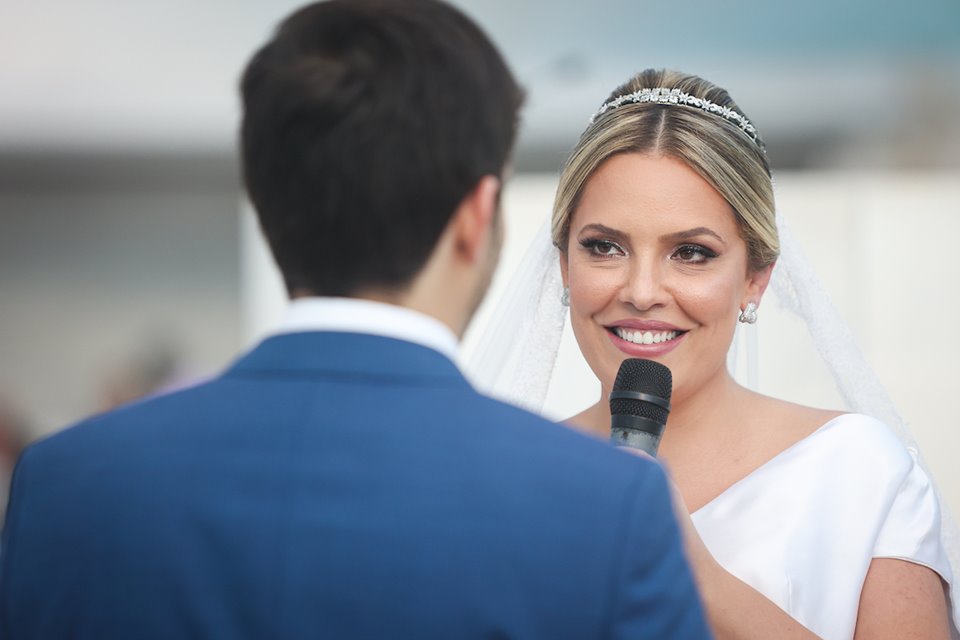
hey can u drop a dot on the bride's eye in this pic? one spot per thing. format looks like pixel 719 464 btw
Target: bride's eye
pixel 693 253
pixel 603 248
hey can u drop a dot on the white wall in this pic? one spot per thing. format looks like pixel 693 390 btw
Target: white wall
pixel 883 246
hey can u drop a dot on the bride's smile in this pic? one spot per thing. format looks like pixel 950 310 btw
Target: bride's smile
pixel 642 339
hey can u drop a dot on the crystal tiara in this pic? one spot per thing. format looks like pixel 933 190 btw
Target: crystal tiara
pixel 661 95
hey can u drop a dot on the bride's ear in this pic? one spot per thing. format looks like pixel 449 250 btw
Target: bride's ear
pixel 757 282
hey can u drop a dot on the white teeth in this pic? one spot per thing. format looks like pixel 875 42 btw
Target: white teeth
pixel 645 337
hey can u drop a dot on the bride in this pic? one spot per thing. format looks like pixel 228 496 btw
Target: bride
pixel 802 522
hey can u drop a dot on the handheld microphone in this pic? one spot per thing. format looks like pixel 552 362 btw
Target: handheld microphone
pixel 639 404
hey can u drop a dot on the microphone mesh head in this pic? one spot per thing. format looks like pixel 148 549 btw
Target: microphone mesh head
pixel 645 376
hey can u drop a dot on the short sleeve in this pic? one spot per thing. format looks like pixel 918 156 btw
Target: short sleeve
pixel 911 530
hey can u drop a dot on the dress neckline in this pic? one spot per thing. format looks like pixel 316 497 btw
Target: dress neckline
pixel 756 470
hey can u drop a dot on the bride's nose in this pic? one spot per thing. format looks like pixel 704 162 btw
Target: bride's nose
pixel 643 286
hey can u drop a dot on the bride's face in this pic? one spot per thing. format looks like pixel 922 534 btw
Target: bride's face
pixel 657 269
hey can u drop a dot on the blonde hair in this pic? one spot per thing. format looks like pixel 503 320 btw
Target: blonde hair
pixel 724 155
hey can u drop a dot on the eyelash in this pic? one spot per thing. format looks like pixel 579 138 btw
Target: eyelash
pixel 594 246
pixel 701 251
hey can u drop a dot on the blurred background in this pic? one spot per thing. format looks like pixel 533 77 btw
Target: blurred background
pixel 129 263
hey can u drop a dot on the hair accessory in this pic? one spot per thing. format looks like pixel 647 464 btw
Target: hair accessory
pixel 749 315
pixel 565 297
pixel 660 95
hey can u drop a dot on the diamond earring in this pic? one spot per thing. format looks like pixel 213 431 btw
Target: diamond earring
pixel 565 297
pixel 749 314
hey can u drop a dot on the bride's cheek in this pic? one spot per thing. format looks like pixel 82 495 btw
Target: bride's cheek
pixel 594 289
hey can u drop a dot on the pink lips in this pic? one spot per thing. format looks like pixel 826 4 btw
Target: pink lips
pixel 645 350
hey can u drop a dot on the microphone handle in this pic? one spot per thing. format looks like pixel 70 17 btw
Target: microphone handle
pixel 636 432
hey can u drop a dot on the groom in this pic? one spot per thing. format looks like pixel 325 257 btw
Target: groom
pixel 343 480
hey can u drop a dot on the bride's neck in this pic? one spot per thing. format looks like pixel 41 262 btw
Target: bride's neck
pixel 687 413
pixel 594 420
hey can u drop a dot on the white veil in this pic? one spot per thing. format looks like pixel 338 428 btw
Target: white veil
pixel 515 356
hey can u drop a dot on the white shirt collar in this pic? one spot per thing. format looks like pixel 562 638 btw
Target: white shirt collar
pixel 354 315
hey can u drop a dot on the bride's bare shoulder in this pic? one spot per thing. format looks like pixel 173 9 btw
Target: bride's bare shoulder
pixel 795 421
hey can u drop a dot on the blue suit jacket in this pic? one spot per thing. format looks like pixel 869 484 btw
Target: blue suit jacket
pixel 334 485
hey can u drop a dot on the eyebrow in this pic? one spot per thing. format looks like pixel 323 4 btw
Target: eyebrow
pixel 616 234
pixel 693 233
pixel 675 237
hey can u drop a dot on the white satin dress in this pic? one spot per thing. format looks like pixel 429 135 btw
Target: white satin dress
pixel 803 528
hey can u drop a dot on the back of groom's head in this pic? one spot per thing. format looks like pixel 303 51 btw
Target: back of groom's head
pixel 365 123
